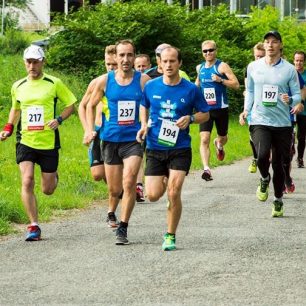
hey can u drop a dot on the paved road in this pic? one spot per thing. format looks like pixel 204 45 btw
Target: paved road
pixel 230 252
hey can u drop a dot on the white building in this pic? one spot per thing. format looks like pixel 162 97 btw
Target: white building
pixel 38 13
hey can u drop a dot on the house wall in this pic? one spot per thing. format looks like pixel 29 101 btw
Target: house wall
pixel 41 8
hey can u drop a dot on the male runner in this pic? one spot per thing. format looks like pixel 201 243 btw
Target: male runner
pixel 170 102
pixel 269 81
pixel 95 150
pixel 122 153
pixel 214 77
pixel 35 100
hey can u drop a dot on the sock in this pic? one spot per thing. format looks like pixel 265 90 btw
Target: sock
pixel 34 224
pixel 111 213
pixel 206 168
pixel 171 234
pixel 266 178
pixel 278 199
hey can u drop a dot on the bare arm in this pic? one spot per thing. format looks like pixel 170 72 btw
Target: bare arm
pixel 197 81
pixel 67 111
pixel 143 115
pixel 199 118
pixel 95 98
pixel 231 81
pixel 84 102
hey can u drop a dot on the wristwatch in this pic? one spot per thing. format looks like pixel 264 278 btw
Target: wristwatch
pixel 59 120
pixel 191 119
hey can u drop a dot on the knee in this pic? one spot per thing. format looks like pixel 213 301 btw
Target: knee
pixel 173 195
pixel 205 142
pixel 98 177
pixel 153 197
pixel 48 190
pixel 114 193
pixel 28 182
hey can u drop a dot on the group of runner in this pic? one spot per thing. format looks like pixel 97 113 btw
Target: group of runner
pixel 134 108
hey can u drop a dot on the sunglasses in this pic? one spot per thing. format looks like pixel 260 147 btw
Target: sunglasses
pixel 208 50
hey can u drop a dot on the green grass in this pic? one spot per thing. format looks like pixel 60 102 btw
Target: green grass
pixel 76 188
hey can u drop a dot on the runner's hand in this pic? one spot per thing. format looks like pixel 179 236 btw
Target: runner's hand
pixel 242 117
pixel 183 122
pixel 141 134
pixel 89 137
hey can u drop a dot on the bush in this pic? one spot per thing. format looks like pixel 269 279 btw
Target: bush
pixel 13 42
pixel 79 49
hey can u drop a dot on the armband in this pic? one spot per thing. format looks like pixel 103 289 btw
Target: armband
pixel 9 128
pixel 59 120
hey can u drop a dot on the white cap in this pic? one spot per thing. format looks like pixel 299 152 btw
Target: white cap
pixel 161 47
pixel 34 52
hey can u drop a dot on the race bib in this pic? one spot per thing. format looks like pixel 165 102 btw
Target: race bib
pixel 168 133
pixel 210 96
pixel 35 118
pixel 126 112
pixel 269 95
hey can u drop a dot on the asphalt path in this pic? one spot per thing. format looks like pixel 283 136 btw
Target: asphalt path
pixel 230 252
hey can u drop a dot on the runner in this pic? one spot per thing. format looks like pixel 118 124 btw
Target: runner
pixel 258 52
pixel 34 107
pixel 142 62
pixel 170 100
pixel 95 150
pixel 157 71
pixel 268 83
pixel 299 60
pixel 122 153
pixel 214 76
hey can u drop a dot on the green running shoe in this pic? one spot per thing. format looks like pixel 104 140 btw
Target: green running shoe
pixel 169 242
pixel 253 166
pixel 277 210
pixel 262 192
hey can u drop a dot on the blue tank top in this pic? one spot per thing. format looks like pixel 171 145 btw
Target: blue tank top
pixel 214 92
pixel 123 122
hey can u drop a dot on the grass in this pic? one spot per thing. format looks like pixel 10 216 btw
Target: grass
pixel 76 188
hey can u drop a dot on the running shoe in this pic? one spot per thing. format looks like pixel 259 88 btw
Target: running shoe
pixel 33 233
pixel 121 236
pixel 219 151
pixel 139 193
pixel 111 220
pixel 277 210
pixel 262 192
pixel 169 242
pixel 253 166
pixel 290 188
pixel 300 163
pixel 206 175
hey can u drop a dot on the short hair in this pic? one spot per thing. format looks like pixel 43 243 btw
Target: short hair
pixel 259 46
pixel 179 54
pixel 145 56
pixel 125 42
pixel 110 50
pixel 300 53
pixel 209 42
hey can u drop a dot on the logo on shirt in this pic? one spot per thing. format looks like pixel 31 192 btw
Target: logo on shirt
pixel 156 97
